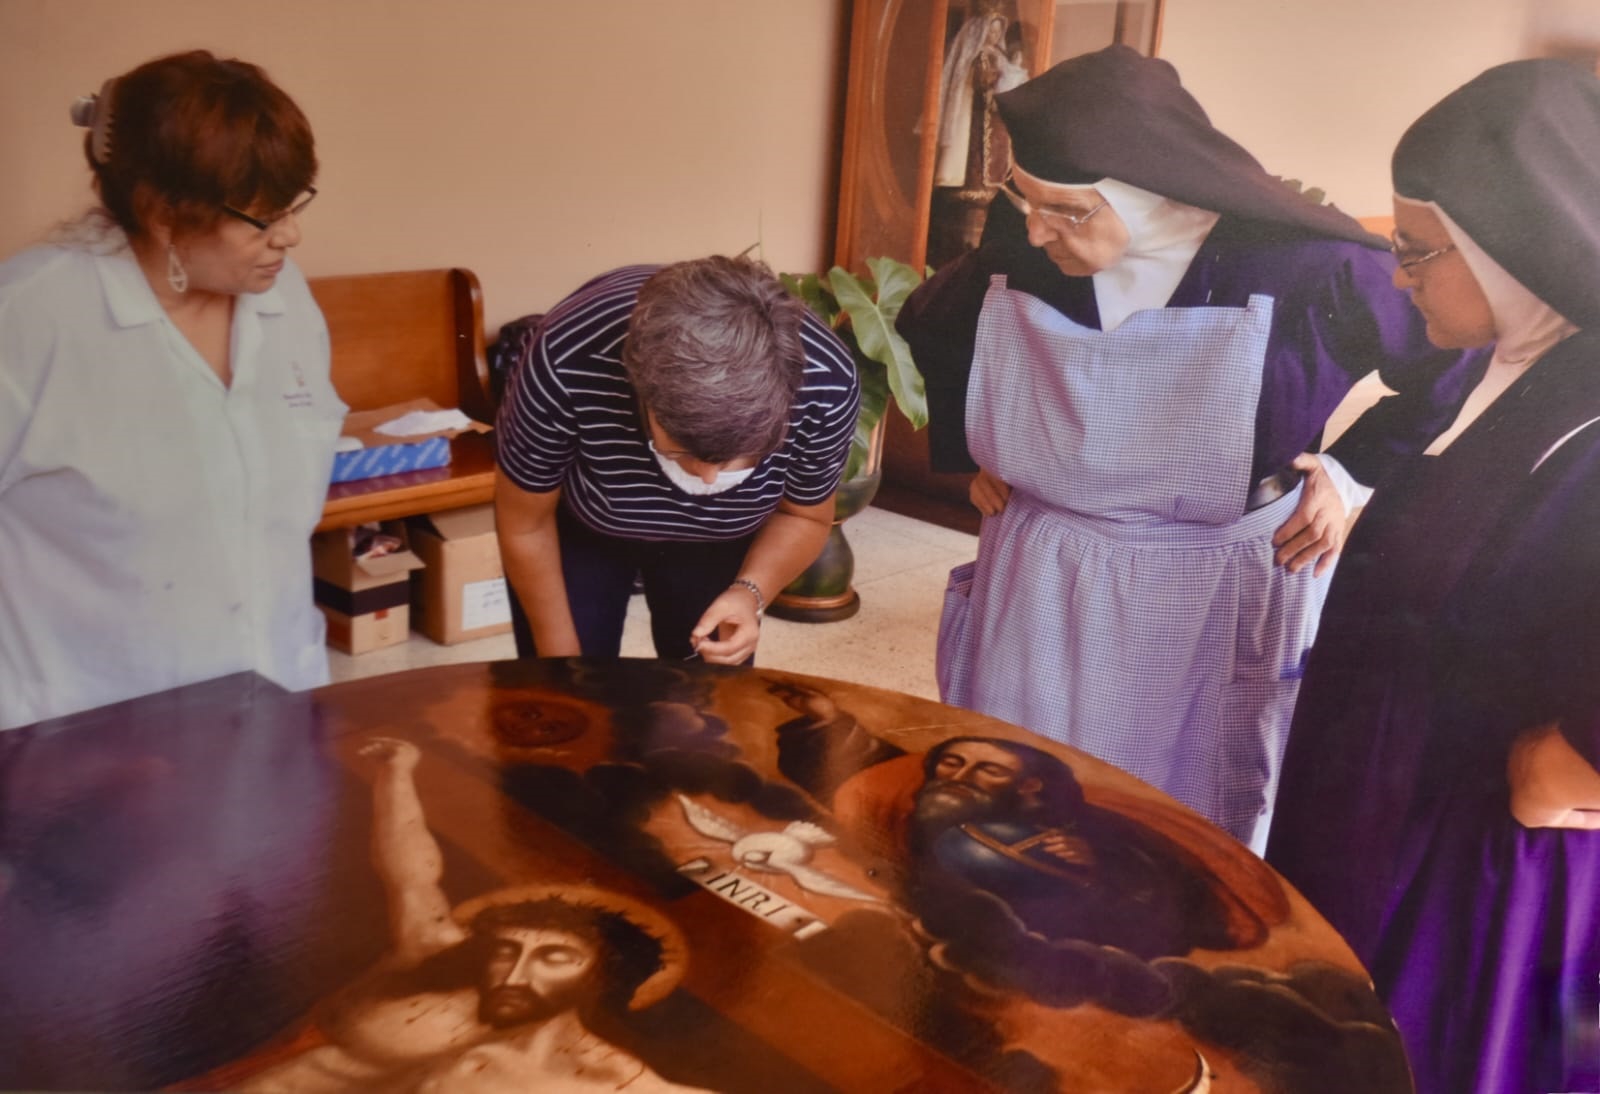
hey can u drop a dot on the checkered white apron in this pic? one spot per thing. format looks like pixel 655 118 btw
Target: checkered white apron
pixel 1124 602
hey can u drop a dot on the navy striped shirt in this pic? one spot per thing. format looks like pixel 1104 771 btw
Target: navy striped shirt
pixel 571 420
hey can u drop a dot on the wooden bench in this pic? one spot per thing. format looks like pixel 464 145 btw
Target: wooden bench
pixel 399 336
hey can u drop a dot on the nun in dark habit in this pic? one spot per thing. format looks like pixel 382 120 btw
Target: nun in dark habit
pixel 1137 359
pixel 1440 799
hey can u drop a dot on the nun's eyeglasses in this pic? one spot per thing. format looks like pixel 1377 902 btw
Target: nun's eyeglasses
pixel 1410 259
pixel 1027 208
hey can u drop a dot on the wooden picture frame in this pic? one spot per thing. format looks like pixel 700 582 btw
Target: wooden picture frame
pixel 923 150
pixel 889 203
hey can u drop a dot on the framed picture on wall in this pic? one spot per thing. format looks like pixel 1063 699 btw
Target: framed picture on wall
pixel 924 149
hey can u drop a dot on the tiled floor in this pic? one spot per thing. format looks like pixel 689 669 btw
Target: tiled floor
pixel 901 565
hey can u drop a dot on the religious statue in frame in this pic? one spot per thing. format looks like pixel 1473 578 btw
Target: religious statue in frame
pixel 925 151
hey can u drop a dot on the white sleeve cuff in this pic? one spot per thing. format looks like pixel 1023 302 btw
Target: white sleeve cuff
pixel 1351 492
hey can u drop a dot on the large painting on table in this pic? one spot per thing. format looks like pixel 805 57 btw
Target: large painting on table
pixel 638 876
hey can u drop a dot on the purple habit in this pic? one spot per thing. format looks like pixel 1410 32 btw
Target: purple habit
pixel 1466 611
pixel 1393 814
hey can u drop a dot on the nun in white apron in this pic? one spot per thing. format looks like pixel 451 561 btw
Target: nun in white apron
pixel 1139 359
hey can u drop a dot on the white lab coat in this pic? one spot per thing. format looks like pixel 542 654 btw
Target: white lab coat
pixel 153 523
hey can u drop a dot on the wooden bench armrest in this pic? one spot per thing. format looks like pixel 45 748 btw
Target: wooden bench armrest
pixel 472 364
pixel 408 335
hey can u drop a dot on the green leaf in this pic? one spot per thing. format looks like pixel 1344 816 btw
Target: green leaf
pixel 862 311
pixel 872 323
pixel 895 281
pixel 874 401
pixel 816 296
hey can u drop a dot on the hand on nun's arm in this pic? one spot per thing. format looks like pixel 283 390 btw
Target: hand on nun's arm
pixel 1552 785
pixel 988 493
pixel 1315 533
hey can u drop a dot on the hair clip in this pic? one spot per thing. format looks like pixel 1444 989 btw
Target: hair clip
pixel 93 112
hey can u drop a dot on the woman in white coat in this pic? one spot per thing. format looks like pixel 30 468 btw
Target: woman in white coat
pixel 167 423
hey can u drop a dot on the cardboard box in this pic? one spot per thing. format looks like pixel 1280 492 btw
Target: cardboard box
pixel 381 454
pixel 366 601
pixel 462 592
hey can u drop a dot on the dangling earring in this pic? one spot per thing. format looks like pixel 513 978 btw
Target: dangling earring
pixel 177 276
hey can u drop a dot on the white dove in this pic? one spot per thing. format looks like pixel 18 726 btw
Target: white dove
pixel 785 852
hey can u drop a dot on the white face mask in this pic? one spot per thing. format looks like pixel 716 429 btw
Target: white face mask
pixel 694 484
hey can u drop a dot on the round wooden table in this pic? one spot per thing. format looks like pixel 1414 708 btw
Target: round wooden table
pixel 642 876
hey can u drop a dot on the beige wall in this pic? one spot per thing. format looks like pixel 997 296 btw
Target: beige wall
pixel 1565 28
pixel 533 141
pixel 1321 90
pixel 538 141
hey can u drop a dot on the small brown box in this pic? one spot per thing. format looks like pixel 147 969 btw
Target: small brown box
pixel 366 601
pixel 462 592
pixel 368 631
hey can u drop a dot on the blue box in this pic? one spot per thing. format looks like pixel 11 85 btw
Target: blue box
pixel 391 459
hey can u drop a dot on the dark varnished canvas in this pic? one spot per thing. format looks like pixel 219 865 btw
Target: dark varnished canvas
pixel 636 876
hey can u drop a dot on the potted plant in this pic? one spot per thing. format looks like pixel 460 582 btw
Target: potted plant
pixel 861 311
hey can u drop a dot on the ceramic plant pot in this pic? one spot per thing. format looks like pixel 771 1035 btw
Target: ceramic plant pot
pixel 823 592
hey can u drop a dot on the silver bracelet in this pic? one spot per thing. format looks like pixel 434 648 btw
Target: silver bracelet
pixel 755 591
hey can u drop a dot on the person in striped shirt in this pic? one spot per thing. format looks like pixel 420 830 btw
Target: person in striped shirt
pixel 687 423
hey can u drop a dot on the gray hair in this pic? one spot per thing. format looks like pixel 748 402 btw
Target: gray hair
pixel 714 351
